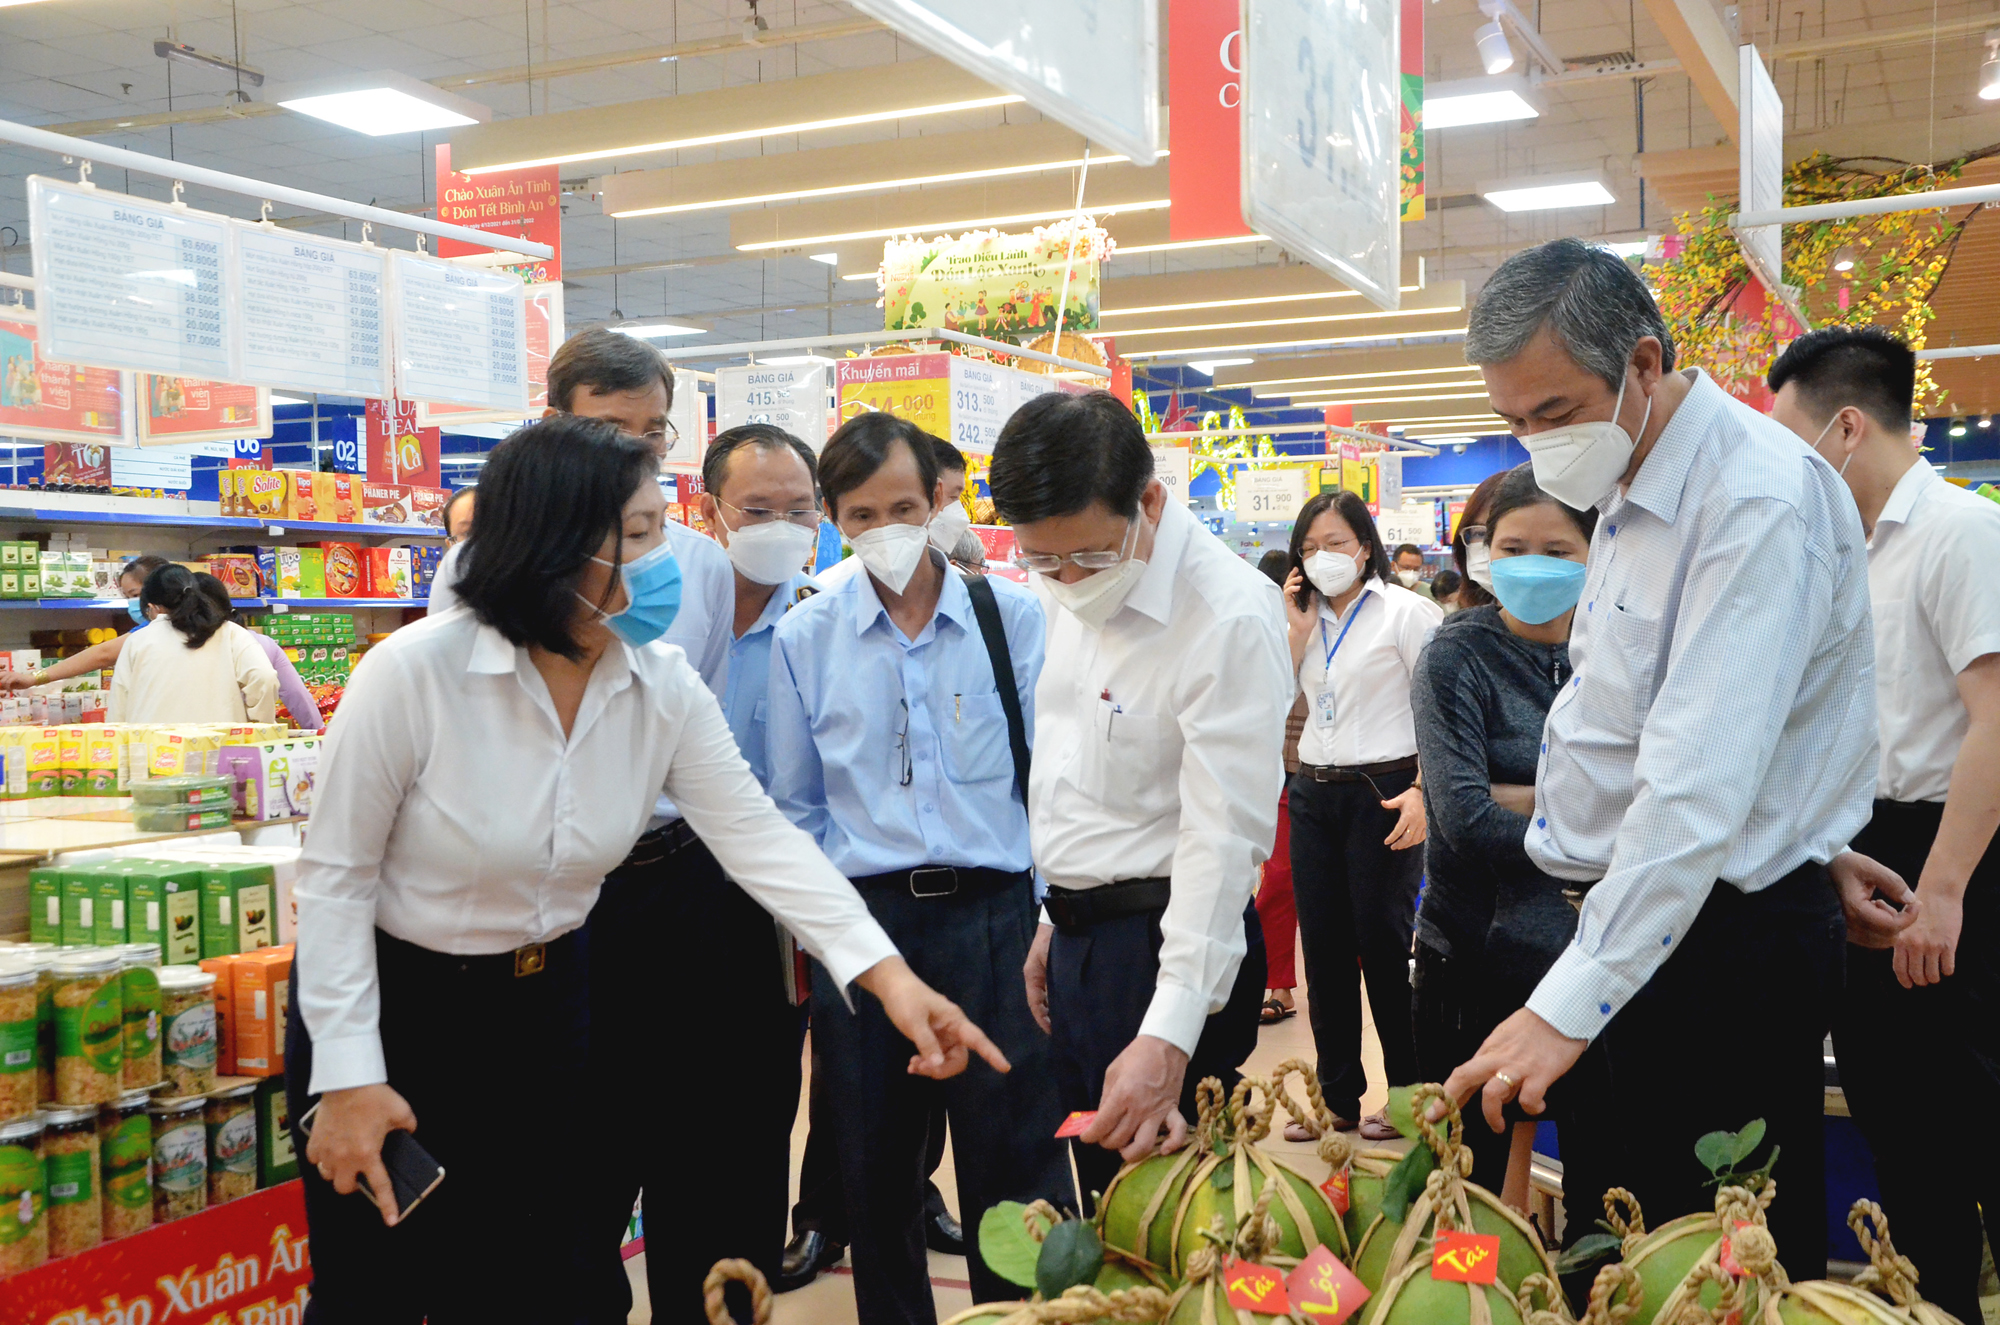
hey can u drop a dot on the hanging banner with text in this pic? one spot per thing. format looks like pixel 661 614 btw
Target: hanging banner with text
pixel 1204 106
pixel 521 204
pixel 788 396
pixel 44 401
pixel 399 449
pixel 187 409
pixel 1003 287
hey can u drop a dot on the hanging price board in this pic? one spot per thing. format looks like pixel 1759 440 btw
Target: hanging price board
pixel 1270 494
pixel 1171 465
pixel 313 313
pixel 788 396
pixel 460 334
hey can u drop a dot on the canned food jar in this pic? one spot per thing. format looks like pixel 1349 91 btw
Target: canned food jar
pixel 125 1142
pixel 24 1233
pixel 180 1158
pixel 20 1029
pixel 187 1029
pixel 231 1117
pixel 139 997
pixel 90 1027
pixel 75 1178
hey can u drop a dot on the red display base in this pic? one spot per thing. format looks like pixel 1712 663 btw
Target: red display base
pixel 244 1263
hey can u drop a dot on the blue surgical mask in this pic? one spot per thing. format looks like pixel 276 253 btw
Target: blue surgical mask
pixel 1536 589
pixel 136 610
pixel 653 594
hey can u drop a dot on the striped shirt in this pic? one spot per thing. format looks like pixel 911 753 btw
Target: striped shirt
pixel 1721 721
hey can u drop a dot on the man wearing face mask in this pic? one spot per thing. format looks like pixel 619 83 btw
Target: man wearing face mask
pixel 948 527
pixel 1160 750
pixel 1408 562
pixel 900 705
pixel 1920 1018
pixel 1712 752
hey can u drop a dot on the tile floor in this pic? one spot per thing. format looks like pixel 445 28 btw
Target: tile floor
pixel 830 1300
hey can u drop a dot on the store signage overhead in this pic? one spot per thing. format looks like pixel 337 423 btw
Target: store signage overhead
pixel 1322 151
pixel 1093 67
pixel 123 282
pixel 313 316
pixel 187 409
pixel 460 334
pixel 46 401
pixel 788 396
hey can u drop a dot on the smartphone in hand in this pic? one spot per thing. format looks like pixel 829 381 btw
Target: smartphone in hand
pixel 413 1174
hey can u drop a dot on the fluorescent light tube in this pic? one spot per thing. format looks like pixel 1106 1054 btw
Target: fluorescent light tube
pixel 658 330
pixel 1531 196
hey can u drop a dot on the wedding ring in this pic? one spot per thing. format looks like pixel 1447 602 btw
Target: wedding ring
pixel 1505 1080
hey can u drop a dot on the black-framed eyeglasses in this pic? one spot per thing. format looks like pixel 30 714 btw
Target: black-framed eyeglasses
pixel 753 515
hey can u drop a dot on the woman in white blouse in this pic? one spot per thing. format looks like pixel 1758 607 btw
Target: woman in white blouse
pixel 1357 809
pixel 202 667
pixel 489 767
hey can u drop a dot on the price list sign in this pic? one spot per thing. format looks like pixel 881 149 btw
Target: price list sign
pixel 1270 494
pixel 788 396
pixel 460 334
pixel 312 315
pixel 126 283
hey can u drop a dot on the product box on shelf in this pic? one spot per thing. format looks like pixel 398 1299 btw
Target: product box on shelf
pixel 180 917
pixel 274 779
pixel 69 759
pixel 301 572
pixel 277 1161
pixel 265 493
pixel 79 908
pixel 427 506
pixel 112 919
pixel 344 573
pixel 236 909
pixel 389 574
pixel 385 503
pixel 236 570
pixel 45 897
pixel 336 499
pixel 424 563
pixel 42 761
pixel 223 968
pixel 300 498
pixel 262 982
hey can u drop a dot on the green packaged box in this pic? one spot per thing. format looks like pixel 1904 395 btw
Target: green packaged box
pixel 10 556
pixel 236 905
pixel 180 913
pixel 10 579
pixel 79 906
pixel 31 581
pixel 145 906
pixel 277 1161
pixel 109 927
pixel 45 905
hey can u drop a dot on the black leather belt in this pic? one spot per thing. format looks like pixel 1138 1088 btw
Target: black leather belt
pixel 656 846
pixel 529 959
pixel 1356 772
pixel 942 881
pixel 1079 908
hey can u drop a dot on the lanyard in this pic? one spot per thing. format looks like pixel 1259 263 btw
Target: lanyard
pixel 1343 633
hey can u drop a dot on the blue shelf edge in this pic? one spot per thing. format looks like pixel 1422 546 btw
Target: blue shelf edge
pixel 335 532
pixel 117 605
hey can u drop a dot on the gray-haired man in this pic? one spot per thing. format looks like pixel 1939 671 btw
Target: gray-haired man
pixel 1715 748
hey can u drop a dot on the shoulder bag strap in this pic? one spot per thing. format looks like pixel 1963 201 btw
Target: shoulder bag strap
pixel 987 608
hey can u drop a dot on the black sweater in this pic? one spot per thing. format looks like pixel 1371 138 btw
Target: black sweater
pixel 1482 695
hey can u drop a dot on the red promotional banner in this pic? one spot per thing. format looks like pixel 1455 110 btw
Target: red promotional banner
pixel 523 204
pixel 78 464
pixel 243 1263
pixel 55 402
pixel 399 450
pixel 1204 92
pixel 187 409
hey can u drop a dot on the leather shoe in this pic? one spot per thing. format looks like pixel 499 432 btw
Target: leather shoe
pixel 806 1257
pixel 943 1234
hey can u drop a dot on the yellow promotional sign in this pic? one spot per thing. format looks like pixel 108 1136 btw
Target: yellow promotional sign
pixel 916 387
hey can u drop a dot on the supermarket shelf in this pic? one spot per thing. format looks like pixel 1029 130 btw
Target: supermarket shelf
pixel 20 514
pixel 285 604
pixel 117 605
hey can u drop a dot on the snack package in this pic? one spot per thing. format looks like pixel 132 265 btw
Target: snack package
pixel 237 900
pixel 70 757
pixel 265 493
pixel 42 759
pixel 389 574
pixel 299 495
pixel 427 506
pixel 335 498
pixel 385 503
pixel 236 570
pixel 345 573
pixel 262 982
pixel 312 572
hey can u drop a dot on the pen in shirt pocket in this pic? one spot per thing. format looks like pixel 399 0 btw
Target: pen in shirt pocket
pixel 1112 710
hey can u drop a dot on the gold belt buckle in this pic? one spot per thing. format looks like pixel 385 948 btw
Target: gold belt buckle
pixel 531 959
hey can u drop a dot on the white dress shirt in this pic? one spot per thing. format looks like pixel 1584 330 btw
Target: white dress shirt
pixel 1363 716
pixel 1935 614
pixel 1159 752
pixel 1720 723
pixel 160 679
pixel 452 813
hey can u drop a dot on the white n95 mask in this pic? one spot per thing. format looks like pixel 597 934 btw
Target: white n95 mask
pixel 891 552
pixel 772 552
pixel 948 526
pixel 1332 573
pixel 1580 464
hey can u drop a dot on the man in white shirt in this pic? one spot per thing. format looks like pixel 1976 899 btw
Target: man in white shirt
pixel 1714 749
pixel 1920 1020
pixel 1159 751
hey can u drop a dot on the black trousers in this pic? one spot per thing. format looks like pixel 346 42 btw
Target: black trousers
pixel 1357 899
pixel 1905 1052
pixel 1101 981
pixel 1452 1013
pixel 694 1042
pixel 821 1208
pixel 1731 1027
pixel 970 947
pixel 489 1064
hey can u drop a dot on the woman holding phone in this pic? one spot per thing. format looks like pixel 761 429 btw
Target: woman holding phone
pixel 490 766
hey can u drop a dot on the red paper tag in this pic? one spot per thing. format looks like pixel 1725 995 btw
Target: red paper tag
pixel 1324 1290
pixel 1466 1258
pixel 1336 1189
pixel 1252 1287
pixel 1729 1250
pixel 1074 1124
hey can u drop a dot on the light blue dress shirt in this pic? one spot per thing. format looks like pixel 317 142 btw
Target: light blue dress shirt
pixel 851 696
pixel 746 700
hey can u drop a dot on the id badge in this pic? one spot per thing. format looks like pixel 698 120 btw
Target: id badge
pixel 1324 710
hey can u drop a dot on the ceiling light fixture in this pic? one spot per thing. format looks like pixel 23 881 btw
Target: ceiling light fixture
pixel 381 103
pixel 830 259
pixel 1399 400
pixel 1123 252
pixel 1220 351
pixel 791 360
pixel 866 186
pixel 277 399
pixel 939 227
pixel 1340 395
pixel 658 330
pixel 1540 195
pixel 1207 367
pixel 1989 70
pixel 1843 260
pixel 1491 100
pixel 1957 428
pixel 1441 306
pixel 1986 420
pixel 1353 377
pixel 180 54
pixel 1495 55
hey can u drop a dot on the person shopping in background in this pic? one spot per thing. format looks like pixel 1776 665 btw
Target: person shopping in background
pixel 1919 1022
pixel 292 692
pixel 1408 564
pixel 490 766
pixel 1357 804
pixel 202 668
pixel 1491 923
pixel 131 579
pixel 1276 910
pixel 890 740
